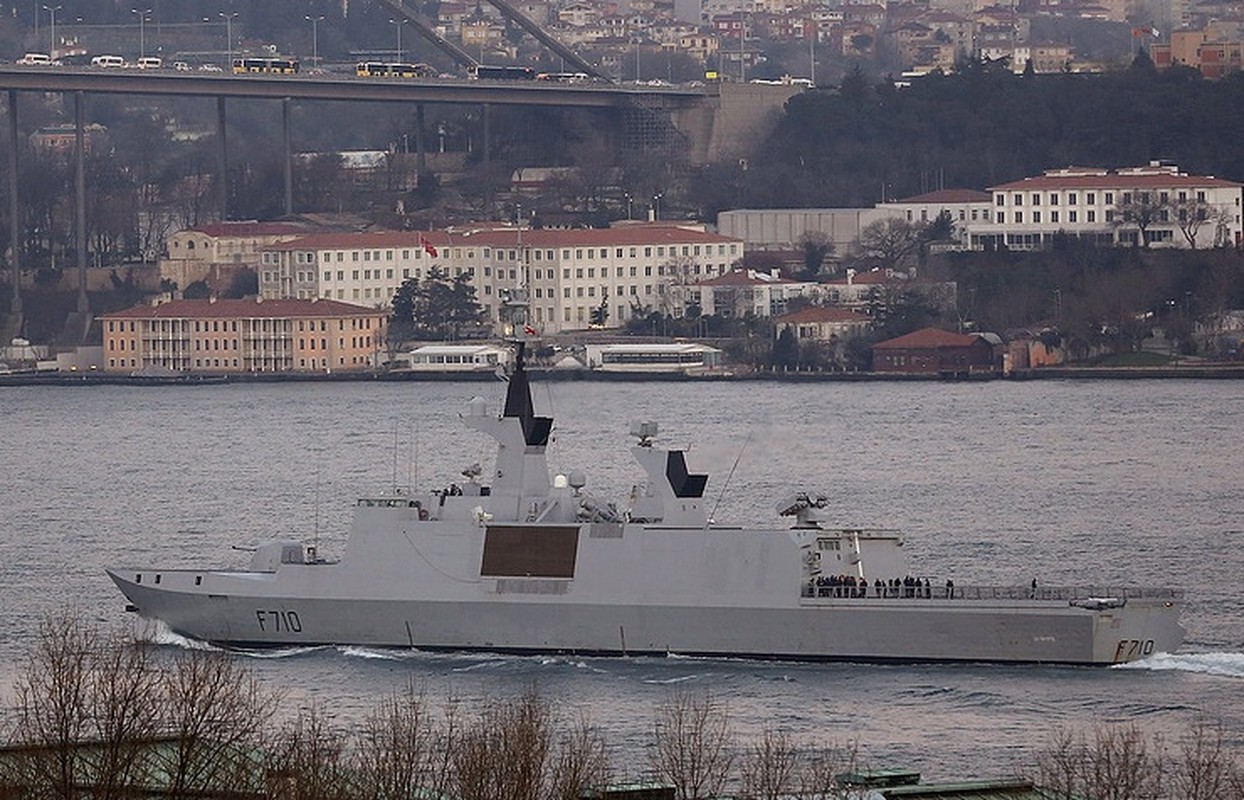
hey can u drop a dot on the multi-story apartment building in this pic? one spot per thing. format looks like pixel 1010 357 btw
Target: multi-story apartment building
pixel 1151 205
pixel 1216 50
pixel 629 269
pixel 236 336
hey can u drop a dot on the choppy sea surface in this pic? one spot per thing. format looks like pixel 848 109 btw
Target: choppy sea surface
pixel 1103 482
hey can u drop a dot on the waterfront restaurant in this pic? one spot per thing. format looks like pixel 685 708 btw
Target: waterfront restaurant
pixel 677 357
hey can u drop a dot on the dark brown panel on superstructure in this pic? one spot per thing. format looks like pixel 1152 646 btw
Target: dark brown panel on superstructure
pixel 513 551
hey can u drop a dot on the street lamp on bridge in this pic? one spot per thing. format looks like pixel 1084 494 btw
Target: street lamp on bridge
pixel 142 30
pixel 315 38
pixel 228 18
pixel 398 23
pixel 52 11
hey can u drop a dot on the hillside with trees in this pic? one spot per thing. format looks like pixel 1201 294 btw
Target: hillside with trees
pixel 982 125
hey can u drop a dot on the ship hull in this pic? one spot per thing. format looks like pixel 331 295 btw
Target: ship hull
pixel 850 629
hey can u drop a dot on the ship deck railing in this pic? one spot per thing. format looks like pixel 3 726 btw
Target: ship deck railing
pixel 1064 593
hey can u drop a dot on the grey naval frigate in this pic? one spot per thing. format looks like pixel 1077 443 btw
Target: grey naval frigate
pixel 527 562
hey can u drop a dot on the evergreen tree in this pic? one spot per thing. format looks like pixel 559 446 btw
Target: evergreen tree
pixel 437 307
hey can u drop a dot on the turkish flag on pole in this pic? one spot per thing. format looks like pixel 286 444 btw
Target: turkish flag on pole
pixel 427 246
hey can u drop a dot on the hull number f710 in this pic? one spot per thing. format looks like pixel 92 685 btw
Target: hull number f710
pixel 1132 649
pixel 278 621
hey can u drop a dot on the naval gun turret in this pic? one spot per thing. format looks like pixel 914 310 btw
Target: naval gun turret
pixel 806 509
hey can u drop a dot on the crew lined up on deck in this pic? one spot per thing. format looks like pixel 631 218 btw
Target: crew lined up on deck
pixel 851 586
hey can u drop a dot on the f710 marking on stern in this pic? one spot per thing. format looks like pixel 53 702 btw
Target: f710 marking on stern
pixel 278 621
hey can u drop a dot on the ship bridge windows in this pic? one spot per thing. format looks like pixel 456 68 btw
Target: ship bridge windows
pixel 825 543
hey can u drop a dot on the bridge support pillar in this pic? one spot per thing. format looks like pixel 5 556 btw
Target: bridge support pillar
pixel 421 149
pixel 15 241
pixel 222 163
pixel 79 189
pixel 288 157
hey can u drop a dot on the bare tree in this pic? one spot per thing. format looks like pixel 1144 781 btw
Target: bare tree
pixel 1191 215
pixel 215 713
pixel 1116 764
pixel 505 753
pixel 400 750
pixel 122 698
pixel 769 770
pixel 1204 768
pixel 52 716
pixel 891 241
pixel 693 745
pixel 1140 210
pixel 581 762
pixel 820 767
pixel 308 761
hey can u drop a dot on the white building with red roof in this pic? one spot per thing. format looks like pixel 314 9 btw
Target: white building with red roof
pixel 629 268
pixel 1167 207
pixel 242 336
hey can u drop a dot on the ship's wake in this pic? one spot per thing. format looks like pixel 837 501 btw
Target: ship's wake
pixel 159 633
pixel 1228 665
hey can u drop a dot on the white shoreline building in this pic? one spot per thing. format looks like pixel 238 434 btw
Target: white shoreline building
pixel 1109 207
pixel 630 269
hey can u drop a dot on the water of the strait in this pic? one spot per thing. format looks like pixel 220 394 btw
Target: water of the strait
pixel 1068 482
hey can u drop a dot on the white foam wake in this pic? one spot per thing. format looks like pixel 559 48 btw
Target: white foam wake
pixel 374 653
pixel 158 632
pixel 1229 665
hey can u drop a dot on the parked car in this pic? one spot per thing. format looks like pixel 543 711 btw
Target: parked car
pixel 35 60
pixel 107 61
pixel 150 62
pixel 181 66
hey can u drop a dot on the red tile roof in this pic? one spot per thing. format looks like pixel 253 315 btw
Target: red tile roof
pixel 644 234
pixel 242 309
pixel 926 338
pixel 823 314
pixel 1113 180
pixel 948 196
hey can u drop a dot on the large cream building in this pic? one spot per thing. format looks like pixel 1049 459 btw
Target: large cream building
pixel 238 336
pixel 631 269
pixel 1110 206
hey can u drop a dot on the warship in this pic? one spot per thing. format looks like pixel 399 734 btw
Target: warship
pixel 528 562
